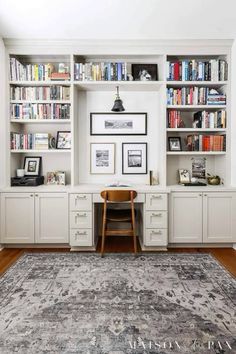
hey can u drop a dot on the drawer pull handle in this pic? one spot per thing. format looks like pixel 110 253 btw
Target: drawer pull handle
pixel 81 197
pixel 156 232
pixel 156 196
pixel 157 214
pixel 81 214
pixel 79 233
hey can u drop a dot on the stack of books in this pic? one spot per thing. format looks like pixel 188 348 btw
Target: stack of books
pixel 40 111
pixel 194 96
pixel 204 119
pixel 103 71
pixel 206 142
pixel 174 119
pixel 193 70
pixel 40 93
pixel 37 141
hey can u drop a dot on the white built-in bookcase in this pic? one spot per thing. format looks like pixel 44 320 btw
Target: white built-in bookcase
pixel 87 97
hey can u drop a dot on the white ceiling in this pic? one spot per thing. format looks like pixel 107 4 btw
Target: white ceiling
pixel 118 19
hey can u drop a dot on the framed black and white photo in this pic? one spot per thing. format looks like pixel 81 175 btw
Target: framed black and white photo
pixel 144 72
pixel 32 165
pixel 118 123
pixel 63 140
pixel 102 158
pixel 175 143
pixel 134 158
pixel 184 176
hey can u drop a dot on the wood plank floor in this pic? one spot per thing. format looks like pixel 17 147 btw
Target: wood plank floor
pixel 226 256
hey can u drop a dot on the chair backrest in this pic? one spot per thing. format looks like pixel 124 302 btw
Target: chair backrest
pixel 117 196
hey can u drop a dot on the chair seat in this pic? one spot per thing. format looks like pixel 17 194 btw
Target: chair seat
pixel 119 215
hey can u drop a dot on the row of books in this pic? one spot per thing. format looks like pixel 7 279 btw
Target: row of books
pixel 40 111
pixel 204 119
pixel 104 71
pixel 206 142
pixel 195 96
pixel 37 141
pixel 40 93
pixel 36 72
pixel 201 119
pixel 194 70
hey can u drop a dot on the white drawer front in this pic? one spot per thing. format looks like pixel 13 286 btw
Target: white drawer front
pixel 156 219
pixel 81 201
pixel 81 237
pixel 156 201
pixel 139 199
pixel 80 219
pixel 156 237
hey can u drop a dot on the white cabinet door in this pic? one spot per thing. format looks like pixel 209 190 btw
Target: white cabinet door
pixel 219 215
pixel 51 218
pixel 17 217
pixel 185 218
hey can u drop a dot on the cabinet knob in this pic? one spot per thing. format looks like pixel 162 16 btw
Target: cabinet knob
pixel 200 194
pixel 36 195
pixel 205 195
pixel 31 195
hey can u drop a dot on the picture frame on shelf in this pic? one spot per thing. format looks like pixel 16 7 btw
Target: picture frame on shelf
pixel 32 165
pixel 175 143
pixel 145 72
pixel 63 140
pixel 134 158
pixel 118 123
pixel 102 158
pixel 56 178
pixel 184 176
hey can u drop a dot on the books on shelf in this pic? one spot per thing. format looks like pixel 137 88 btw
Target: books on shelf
pixel 174 119
pixel 204 119
pixel 33 111
pixel 196 70
pixel 200 142
pixel 194 96
pixel 103 71
pixel 40 93
pixel 37 141
pixel 33 72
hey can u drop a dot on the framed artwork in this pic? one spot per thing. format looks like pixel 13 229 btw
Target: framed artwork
pixel 102 158
pixel 175 144
pixel 184 176
pixel 32 165
pixel 63 140
pixel 118 123
pixel 56 178
pixel 134 158
pixel 144 72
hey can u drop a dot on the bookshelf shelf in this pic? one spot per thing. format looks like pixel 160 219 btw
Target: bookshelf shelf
pixel 49 151
pixel 179 130
pixel 123 85
pixel 40 83
pixel 41 101
pixel 195 153
pixel 197 83
pixel 196 107
pixel 41 121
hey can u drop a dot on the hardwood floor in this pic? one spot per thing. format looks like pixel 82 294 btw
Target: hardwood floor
pixel 226 256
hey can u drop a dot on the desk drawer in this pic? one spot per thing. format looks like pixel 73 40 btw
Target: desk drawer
pixel 156 219
pixel 139 199
pixel 81 201
pixel 156 237
pixel 156 201
pixel 81 219
pixel 81 237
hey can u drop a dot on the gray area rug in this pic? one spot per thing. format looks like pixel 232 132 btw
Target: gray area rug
pixel 80 303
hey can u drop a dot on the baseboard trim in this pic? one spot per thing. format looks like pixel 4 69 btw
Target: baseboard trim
pixel 200 245
pixel 33 245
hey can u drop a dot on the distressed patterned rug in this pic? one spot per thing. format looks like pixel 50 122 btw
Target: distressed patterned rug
pixel 80 303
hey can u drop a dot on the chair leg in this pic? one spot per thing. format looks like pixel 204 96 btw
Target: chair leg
pixel 134 232
pixel 103 238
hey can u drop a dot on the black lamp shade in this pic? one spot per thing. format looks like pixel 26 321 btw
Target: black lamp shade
pixel 118 106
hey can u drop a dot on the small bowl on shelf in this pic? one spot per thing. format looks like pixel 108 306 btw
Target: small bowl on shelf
pixel 213 180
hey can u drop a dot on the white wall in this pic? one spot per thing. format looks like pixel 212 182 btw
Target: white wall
pixel 2 112
pixel 133 102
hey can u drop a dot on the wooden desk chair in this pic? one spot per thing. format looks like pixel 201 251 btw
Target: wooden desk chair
pixel 118 215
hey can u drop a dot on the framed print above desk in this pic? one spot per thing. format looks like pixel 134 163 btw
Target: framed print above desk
pixel 118 123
